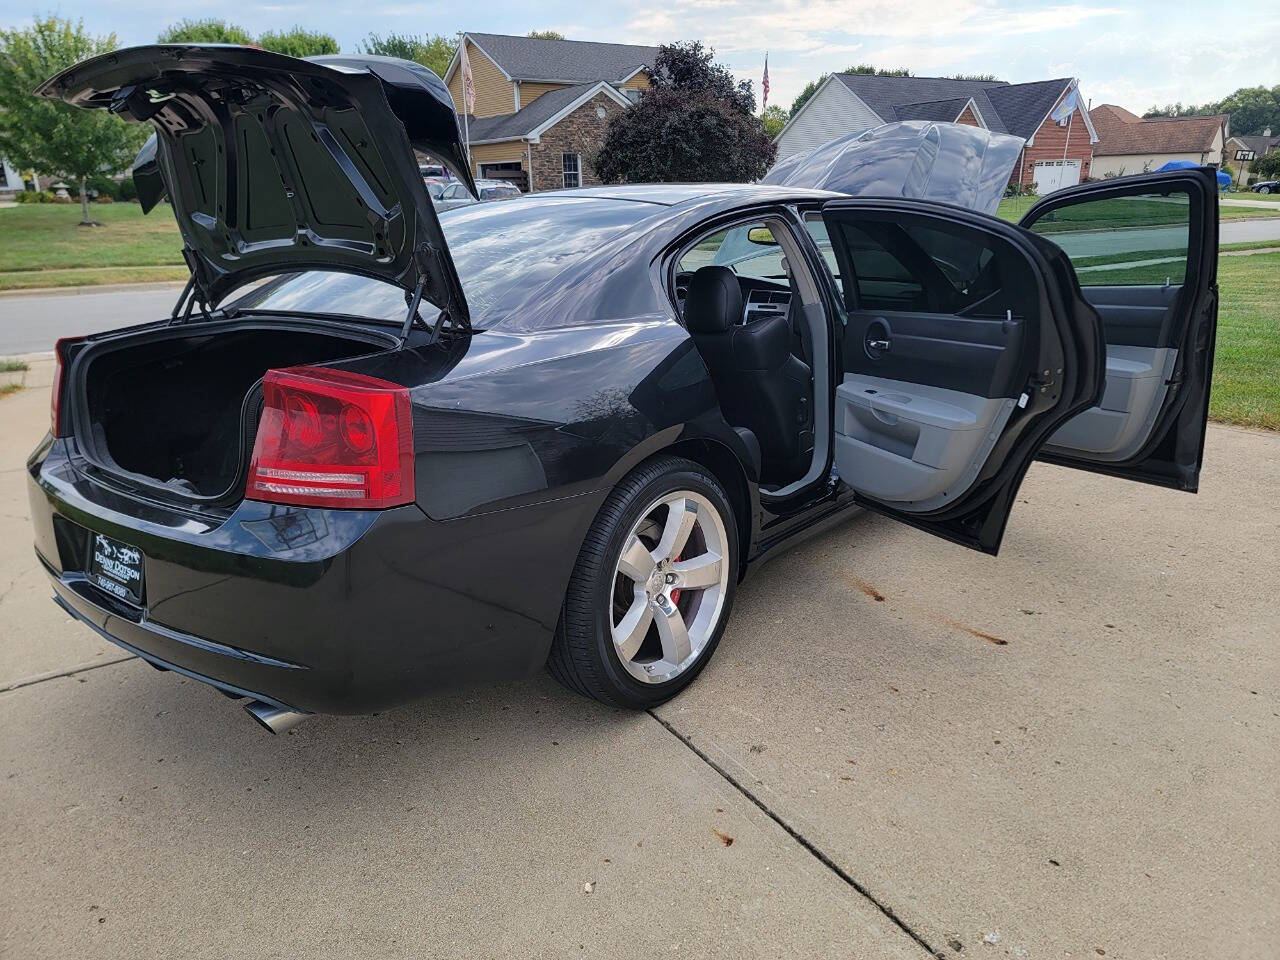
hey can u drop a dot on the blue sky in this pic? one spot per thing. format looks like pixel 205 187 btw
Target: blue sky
pixel 1134 53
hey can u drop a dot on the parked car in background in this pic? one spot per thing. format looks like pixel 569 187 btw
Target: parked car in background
pixel 456 194
pixel 1267 186
pixel 557 431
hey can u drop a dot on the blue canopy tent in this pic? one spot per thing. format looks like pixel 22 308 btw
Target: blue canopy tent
pixel 1224 180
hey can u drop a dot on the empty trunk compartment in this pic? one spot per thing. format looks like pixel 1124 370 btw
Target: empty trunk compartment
pixel 179 408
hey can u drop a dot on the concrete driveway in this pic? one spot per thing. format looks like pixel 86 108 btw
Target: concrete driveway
pixel 901 748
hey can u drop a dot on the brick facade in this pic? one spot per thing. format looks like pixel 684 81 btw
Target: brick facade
pixel 967 117
pixel 581 132
pixel 1050 140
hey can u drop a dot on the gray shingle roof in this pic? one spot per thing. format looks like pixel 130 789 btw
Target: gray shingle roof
pixel 1016 108
pixel 943 110
pixel 1023 106
pixel 531 58
pixel 509 126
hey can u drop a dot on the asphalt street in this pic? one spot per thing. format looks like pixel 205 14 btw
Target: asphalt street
pixel 901 749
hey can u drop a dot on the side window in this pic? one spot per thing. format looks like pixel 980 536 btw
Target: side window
pixel 920 267
pixel 749 250
pixel 822 240
pixel 1122 241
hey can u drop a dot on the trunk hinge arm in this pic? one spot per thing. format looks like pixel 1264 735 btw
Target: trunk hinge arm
pixel 192 294
pixel 412 316
pixel 426 257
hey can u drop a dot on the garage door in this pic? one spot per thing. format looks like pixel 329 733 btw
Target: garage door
pixel 1051 175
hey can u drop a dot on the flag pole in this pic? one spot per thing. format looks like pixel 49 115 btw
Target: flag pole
pixel 466 135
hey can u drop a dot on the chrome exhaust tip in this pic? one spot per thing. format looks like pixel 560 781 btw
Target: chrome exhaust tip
pixel 273 718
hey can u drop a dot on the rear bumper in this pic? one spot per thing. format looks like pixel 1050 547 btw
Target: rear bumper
pixel 323 611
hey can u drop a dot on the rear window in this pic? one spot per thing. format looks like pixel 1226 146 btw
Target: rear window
pixel 498 249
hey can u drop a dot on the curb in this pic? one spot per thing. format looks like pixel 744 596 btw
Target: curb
pixel 90 289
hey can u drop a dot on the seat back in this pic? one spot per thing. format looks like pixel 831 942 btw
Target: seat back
pixel 760 384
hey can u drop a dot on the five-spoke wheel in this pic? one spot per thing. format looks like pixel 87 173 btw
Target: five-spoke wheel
pixel 669 586
pixel 652 588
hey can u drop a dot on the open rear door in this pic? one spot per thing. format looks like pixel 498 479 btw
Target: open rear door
pixel 967 345
pixel 1145 253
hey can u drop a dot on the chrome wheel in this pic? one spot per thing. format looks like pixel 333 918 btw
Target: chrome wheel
pixel 669 586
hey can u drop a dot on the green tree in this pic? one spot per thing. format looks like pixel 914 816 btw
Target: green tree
pixel 864 69
pixel 694 124
pixel 545 35
pixel 1268 167
pixel 298 42
pixel 973 76
pixel 1252 109
pixel 50 136
pixel 774 119
pixel 205 31
pixel 432 51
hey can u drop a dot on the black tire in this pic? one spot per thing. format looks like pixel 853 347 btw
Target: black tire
pixel 583 657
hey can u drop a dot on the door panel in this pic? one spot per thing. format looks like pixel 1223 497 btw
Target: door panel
pixel 1145 254
pixel 967 343
pixel 1137 316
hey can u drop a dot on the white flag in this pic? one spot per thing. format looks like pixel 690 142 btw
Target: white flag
pixel 1062 112
pixel 468 85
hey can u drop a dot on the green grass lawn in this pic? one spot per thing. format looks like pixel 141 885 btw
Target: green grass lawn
pixel 1014 209
pixel 1250 195
pixel 1246 363
pixel 44 246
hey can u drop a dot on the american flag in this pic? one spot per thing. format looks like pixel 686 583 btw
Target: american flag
pixel 468 84
pixel 764 84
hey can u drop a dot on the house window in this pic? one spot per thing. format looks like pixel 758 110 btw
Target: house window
pixel 571 169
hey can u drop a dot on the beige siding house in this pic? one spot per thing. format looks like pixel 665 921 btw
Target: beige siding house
pixel 1127 144
pixel 542 105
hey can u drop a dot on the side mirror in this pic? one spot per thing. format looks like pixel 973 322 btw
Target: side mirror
pixel 762 236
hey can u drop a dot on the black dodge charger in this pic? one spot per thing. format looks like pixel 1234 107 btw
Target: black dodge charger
pixel 374 452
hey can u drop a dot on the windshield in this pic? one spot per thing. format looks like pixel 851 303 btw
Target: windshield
pixel 498 249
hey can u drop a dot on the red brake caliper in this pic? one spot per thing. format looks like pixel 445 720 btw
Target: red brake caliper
pixel 675 594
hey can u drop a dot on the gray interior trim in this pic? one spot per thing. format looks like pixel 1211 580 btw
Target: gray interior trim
pixel 1116 429
pixel 914 445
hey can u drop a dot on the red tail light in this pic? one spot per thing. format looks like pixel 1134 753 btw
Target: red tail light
pixel 330 438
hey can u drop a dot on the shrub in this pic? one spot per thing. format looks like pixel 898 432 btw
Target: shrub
pixel 104 186
pixel 104 198
pixel 127 190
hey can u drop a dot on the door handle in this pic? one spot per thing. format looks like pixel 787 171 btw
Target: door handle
pixel 879 346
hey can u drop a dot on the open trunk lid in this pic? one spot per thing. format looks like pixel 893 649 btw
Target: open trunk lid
pixel 275 164
pixel 918 159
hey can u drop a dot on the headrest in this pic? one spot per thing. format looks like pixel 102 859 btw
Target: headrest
pixel 714 301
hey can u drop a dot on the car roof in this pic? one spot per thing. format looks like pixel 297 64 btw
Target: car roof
pixel 672 194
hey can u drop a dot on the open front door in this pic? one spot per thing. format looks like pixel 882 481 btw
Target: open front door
pixel 1145 252
pixel 967 345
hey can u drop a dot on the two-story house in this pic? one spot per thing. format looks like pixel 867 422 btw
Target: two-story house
pixel 541 106
pixel 1057 153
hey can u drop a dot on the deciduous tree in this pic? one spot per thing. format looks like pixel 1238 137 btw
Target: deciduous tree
pixel 205 31
pixel 298 42
pixel 50 136
pixel 432 51
pixel 696 123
